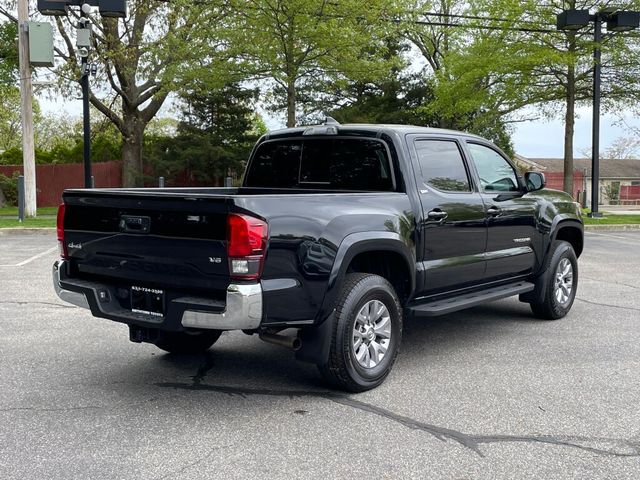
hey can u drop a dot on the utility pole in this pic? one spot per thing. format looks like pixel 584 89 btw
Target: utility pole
pixel 595 139
pixel 26 92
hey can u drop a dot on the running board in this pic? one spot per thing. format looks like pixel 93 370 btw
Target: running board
pixel 460 302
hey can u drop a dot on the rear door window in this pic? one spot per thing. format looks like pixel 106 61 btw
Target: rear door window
pixel 322 163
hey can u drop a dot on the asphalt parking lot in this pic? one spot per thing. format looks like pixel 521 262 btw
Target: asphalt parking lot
pixel 483 394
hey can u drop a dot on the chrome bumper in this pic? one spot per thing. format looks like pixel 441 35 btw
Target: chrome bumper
pixel 243 310
pixel 74 298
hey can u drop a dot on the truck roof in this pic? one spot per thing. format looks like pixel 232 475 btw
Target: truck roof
pixel 368 127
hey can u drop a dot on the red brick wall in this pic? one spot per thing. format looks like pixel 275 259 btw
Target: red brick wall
pixel 51 180
pixel 555 180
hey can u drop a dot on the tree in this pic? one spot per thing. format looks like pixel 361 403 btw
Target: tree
pixel 432 34
pixel 8 55
pixel 435 30
pixel 214 138
pixel 623 148
pixel 142 58
pixel 523 61
pixel 304 46
pixel 10 130
pixel 10 126
pixel 396 100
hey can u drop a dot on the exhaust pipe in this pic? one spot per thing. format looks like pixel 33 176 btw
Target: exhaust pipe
pixel 292 343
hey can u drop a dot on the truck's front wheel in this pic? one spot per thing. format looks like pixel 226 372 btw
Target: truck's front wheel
pixel 182 342
pixel 561 283
pixel 366 333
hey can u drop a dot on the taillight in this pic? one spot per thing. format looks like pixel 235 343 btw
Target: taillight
pixel 60 230
pixel 246 246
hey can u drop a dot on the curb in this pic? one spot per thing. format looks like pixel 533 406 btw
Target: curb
pixel 26 231
pixel 612 228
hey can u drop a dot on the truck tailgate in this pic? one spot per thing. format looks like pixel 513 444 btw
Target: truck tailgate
pixel 164 240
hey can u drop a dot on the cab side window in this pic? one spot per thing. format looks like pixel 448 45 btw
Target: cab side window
pixel 496 174
pixel 442 166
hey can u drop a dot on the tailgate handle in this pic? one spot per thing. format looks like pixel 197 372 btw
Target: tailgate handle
pixel 134 224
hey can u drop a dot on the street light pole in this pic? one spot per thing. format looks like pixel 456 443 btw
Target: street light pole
pixel 85 44
pixel 595 139
pixel 108 8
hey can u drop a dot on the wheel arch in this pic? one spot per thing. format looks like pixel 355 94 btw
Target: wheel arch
pixel 571 231
pixel 380 253
pixel 357 246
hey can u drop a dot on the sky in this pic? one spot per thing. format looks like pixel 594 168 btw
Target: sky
pixel 545 139
pixel 540 138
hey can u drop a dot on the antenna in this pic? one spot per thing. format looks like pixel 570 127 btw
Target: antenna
pixel 331 121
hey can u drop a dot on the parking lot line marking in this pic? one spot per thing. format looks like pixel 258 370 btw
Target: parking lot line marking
pixel 608 235
pixel 35 257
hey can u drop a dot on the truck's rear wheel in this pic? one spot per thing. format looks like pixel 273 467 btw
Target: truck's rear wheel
pixel 561 283
pixel 182 342
pixel 366 334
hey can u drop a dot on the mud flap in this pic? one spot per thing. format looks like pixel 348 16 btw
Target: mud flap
pixel 537 294
pixel 316 342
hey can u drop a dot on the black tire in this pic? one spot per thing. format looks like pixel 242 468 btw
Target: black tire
pixel 182 342
pixel 550 308
pixel 342 369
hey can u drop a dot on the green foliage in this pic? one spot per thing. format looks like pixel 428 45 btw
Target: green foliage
pixel 9 188
pixel 60 140
pixel 393 101
pixel 8 54
pixel 492 74
pixel 213 140
pixel 305 46
pixel 10 126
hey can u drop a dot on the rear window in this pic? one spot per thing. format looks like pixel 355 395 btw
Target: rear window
pixel 332 164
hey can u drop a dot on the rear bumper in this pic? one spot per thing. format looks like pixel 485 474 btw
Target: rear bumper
pixel 241 311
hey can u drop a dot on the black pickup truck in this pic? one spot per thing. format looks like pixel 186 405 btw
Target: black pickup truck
pixel 337 234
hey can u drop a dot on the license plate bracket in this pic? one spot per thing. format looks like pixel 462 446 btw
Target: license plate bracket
pixel 149 301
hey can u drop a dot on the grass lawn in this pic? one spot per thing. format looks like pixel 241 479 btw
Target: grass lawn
pixel 612 220
pixel 13 211
pixel 28 222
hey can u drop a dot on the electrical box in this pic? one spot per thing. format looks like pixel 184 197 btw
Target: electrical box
pixel 83 37
pixel 40 44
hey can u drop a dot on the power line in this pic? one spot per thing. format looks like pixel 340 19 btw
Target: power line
pixel 484 27
pixel 475 17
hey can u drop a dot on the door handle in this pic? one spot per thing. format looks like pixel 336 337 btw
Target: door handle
pixel 494 211
pixel 437 214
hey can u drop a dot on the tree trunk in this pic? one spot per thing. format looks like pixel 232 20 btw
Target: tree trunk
pixel 132 135
pixel 569 123
pixel 291 104
pixel 132 174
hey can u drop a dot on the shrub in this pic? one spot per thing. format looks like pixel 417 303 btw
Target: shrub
pixel 9 188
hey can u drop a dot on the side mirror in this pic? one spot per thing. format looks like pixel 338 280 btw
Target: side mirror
pixel 534 181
